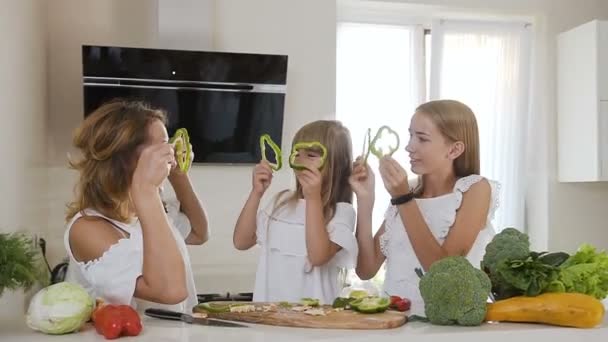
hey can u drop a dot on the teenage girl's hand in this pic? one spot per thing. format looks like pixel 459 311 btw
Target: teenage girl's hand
pixel 362 181
pixel 310 179
pixel 153 166
pixel 262 177
pixel 394 177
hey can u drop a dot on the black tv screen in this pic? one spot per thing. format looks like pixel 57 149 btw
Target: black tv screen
pixel 226 101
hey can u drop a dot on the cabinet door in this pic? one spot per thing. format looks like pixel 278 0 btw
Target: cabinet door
pixel 603 139
pixel 602 67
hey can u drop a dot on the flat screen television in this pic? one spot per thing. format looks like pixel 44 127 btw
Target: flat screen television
pixel 226 101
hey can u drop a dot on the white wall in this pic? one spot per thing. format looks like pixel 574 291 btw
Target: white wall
pixel 22 125
pixel 261 26
pixel 71 24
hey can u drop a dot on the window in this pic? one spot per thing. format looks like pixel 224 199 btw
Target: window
pixel 376 85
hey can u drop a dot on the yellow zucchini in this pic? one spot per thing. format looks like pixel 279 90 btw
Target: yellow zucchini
pixel 564 309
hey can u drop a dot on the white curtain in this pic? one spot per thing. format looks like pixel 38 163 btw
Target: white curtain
pixel 379 81
pixel 486 66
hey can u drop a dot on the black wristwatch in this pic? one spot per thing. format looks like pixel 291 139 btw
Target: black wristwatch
pixel 402 199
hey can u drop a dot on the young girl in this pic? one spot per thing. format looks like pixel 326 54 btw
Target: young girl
pixel 448 213
pixel 306 235
pixel 121 243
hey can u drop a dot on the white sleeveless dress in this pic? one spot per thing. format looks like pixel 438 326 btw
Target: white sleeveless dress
pixel 439 214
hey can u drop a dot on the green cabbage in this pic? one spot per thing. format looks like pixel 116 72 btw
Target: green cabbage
pixel 59 309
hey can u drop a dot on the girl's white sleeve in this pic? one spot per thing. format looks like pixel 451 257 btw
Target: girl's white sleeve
pixel 341 231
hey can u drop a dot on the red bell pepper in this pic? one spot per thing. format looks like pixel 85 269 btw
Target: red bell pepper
pixel 113 321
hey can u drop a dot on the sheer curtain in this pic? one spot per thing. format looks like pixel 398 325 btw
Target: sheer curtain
pixel 486 66
pixel 379 81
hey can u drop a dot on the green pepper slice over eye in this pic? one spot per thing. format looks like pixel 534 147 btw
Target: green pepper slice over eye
pixel 313 145
pixel 266 139
pixel 379 151
pixel 183 149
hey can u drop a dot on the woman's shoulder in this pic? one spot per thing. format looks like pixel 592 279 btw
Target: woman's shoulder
pixel 91 236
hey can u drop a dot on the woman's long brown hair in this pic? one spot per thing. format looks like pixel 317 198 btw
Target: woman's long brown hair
pixel 108 140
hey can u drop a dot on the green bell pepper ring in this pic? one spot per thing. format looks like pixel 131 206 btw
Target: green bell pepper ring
pixel 367 142
pixel 370 305
pixel 266 139
pixel 183 149
pixel 307 146
pixel 377 151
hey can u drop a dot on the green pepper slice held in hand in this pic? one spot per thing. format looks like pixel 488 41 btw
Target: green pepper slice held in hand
pixel 183 149
pixel 313 145
pixel 367 142
pixel 378 151
pixel 266 139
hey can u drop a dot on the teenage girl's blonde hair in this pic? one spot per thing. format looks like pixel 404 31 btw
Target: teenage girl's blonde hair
pixel 108 140
pixel 456 122
pixel 336 171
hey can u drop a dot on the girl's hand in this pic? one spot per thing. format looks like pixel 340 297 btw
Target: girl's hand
pixel 310 179
pixel 262 177
pixel 362 181
pixel 176 171
pixel 154 164
pixel 394 177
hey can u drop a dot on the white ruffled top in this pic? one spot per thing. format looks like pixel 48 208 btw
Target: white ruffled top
pixel 439 214
pixel 112 277
pixel 284 272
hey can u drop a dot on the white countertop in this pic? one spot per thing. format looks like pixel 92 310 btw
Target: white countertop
pixel 170 331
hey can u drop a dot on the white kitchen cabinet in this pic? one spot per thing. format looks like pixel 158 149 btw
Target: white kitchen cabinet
pixel 582 103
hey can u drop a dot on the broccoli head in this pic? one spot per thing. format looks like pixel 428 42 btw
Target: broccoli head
pixel 509 244
pixel 455 292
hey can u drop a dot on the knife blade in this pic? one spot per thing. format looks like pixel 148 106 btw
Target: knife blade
pixel 179 316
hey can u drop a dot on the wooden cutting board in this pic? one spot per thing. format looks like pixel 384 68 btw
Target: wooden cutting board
pixel 346 319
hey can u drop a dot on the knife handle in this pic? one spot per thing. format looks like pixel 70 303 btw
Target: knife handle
pixel 165 314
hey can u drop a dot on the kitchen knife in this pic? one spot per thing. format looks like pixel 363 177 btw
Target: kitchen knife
pixel 178 316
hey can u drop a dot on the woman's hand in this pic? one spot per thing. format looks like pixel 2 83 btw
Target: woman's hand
pixel 394 177
pixel 176 171
pixel 261 178
pixel 153 166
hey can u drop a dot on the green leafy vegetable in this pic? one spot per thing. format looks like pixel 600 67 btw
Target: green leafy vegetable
pixel 533 275
pixel 584 272
pixel 20 263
